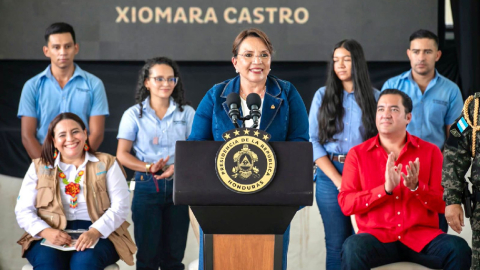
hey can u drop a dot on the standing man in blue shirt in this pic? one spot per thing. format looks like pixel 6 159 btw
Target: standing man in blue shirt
pixel 62 87
pixel 437 101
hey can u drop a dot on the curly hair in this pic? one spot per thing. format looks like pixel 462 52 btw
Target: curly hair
pixel 141 92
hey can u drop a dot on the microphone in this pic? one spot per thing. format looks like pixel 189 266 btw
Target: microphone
pixel 253 102
pixel 233 102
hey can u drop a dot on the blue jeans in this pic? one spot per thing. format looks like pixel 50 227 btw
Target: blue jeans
pixel 447 252
pixel 286 241
pixel 97 258
pixel 160 227
pixel 337 226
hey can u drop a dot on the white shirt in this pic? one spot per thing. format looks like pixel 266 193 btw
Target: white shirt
pixel 246 111
pixel 117 190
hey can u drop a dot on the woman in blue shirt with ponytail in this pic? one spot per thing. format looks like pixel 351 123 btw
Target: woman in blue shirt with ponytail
pixel 152 126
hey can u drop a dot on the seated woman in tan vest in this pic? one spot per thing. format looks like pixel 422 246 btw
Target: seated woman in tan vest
pixel 70 187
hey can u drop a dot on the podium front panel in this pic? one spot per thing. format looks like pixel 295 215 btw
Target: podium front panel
pixel 196 181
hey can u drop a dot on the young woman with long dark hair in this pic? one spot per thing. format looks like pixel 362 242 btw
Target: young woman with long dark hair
pixel 342 115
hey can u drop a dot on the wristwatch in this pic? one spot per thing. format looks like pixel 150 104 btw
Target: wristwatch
pixel 147 167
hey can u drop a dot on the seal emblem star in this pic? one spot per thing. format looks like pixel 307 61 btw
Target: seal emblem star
pixel 256 133
pixel 227 136
pixel 246 131
pixel 236 132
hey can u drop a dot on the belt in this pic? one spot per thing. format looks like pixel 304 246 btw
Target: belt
pixel 338 157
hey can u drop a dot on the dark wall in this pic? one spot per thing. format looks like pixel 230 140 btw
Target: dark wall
pixel 106 35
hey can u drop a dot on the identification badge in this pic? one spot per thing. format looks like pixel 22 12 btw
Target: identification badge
pixel 155 140
pixel 132 185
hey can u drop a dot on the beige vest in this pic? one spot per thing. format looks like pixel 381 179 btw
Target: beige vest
pixel 50 208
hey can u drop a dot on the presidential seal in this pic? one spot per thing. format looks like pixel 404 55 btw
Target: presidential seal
pixel 245 163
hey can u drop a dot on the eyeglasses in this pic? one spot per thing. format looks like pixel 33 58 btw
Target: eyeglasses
pixel 172 80
pixel 251 56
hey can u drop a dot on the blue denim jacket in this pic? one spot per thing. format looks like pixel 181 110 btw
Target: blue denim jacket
pixel 284 115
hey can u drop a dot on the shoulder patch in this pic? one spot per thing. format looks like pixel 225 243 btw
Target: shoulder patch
pixel 455 133
pixel 462 125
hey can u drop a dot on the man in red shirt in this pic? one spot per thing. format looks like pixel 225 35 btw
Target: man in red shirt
pixel 392 184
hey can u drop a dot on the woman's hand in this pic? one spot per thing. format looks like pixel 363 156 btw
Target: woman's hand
pixel 87 239
pixel 157 166
pixel 160 164
pixel 167 173
pixel 56 237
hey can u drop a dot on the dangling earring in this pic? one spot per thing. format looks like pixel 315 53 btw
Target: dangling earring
pixel 55 154
pixel 86 147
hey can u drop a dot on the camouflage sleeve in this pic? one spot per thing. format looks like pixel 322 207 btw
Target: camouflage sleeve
pixel 456 160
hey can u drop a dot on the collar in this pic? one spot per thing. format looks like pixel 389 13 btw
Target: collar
pixel 408 75
pixel 375 141
pixel 171 106
pixel 88 157
pixel 78 72
pixel 233 86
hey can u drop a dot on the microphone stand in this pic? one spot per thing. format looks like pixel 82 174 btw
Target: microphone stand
pixel 248 117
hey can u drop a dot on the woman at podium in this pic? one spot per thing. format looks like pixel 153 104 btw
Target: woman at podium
pixel 342 115
pixel 283 113
pixel 152 126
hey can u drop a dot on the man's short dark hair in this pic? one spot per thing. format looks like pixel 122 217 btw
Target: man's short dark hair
pixel 59 28
pixel 406 100
pixel 422 33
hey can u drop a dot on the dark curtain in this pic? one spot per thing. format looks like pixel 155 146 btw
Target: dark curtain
pixel 466 24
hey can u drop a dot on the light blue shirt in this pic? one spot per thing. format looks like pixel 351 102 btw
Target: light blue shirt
pixel 433 110
pixel 353 130
pixel 175 126
pixel 43 98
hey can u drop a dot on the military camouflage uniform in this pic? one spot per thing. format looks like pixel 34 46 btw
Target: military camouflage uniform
pixel 456 162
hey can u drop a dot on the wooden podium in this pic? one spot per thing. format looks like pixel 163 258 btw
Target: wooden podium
pixel 243 231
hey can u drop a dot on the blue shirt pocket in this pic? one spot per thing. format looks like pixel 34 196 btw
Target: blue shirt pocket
pixel 437 112
pixel 81 103
pixel 179 130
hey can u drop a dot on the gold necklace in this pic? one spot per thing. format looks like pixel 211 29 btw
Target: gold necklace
pixel 244 95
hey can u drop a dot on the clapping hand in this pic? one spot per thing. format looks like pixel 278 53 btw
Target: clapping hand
pixel 157 166
pixel 392 173
pixel 167 173
pixel 411 179
pixel 160 164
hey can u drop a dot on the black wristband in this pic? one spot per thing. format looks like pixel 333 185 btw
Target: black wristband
pixel 388 193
